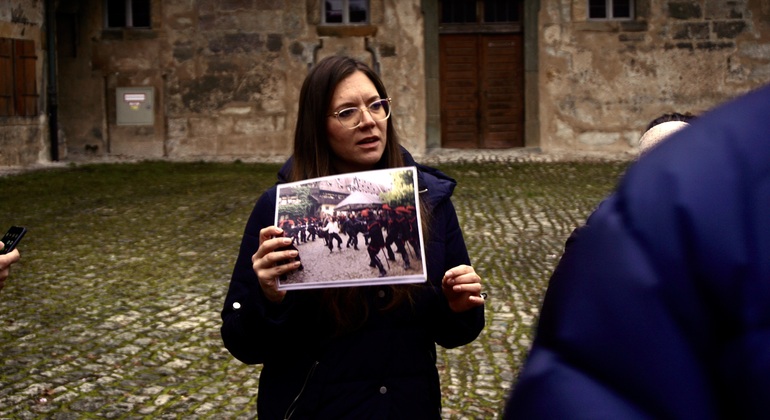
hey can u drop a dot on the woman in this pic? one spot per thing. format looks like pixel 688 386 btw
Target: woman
pixel 357 352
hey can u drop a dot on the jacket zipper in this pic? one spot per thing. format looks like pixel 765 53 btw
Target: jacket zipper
pixel 293 405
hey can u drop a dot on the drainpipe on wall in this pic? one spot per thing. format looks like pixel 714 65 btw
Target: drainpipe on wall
pixel 316 47
pixel 53 105
pixel 105 113
pixel 375 55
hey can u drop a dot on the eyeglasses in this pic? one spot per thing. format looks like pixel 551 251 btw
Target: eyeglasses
pixel 352 117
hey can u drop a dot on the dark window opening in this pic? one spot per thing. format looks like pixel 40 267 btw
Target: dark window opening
pixel 333 12
pixel 610 9
pixel 359 11
pixel 597 9
pixel 621 9
pixel 127 13
pixel 346 12
pixel 480 11
pixel 458 11
pixel 501 11
pixel 140 13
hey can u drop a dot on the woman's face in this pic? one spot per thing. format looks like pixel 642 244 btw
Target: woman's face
pixel 360 148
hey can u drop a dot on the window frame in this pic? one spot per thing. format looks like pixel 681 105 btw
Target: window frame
pixel 129 15
pixel 19 91
pixel 346 15
pixel 609 7
pixel 480 25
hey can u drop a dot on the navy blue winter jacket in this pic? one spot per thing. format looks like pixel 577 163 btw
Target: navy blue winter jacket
pixel 660 306
pixel 387 368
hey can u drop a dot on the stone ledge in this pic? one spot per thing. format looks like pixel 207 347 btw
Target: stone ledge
pixel 346 30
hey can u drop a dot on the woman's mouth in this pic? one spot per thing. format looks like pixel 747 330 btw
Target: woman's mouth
pixel 368 140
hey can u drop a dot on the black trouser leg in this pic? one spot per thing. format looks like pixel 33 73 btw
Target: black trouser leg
pixel 389 241
pixel 404 253
pixel 378 263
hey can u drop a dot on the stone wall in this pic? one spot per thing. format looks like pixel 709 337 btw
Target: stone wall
pixel 601 83
pixel 226 75
pixel 23 140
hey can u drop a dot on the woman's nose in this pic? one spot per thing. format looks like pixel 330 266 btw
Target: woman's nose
pixel 367 118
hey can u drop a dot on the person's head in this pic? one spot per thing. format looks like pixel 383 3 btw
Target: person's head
pixel 663 127
pixel 671 116
pixel 324 142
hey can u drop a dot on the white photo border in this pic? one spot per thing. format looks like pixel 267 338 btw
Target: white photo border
pixel 359 180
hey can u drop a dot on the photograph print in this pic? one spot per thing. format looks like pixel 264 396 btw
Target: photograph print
pixel 355 229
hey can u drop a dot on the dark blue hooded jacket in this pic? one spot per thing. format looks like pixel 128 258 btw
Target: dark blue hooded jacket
pixel 660 306
pixel 387 368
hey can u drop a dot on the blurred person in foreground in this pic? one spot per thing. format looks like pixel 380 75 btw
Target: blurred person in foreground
pixel 354 352
pixel 660 305
pixel 5 263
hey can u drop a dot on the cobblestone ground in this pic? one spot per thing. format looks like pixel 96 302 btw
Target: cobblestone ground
pixel 347 262
pixel 113 311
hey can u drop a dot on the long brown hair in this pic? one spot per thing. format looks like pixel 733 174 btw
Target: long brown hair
pixel 312 152
pixel 313 158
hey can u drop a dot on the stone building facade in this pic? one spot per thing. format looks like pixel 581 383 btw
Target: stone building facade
pixel 23 138
pixel 601 83
pixel 219 79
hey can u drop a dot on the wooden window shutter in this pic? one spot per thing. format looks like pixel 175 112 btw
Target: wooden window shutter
pixel 6 77
pixel 26 83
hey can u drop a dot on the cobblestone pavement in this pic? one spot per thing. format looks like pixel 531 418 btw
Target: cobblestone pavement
pixel 113 311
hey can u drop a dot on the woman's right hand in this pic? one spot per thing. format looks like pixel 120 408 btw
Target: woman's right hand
pixel 265 261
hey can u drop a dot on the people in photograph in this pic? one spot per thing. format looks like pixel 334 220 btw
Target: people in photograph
pixel 352 227
pixel 386 220
pixel 302 229
pixel 288 227
pixel 660 304
pixel 6 260
pixel 404 231
pixel 311 229
pixel 350 352
pixel 376 241
pixel 414 232
pixel 290 247
pixel 395 228
pixel 332 229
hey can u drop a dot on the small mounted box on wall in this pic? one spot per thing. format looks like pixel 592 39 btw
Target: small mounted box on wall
pixel 134 105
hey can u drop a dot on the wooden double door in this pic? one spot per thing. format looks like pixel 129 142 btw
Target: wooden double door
pixel 482 91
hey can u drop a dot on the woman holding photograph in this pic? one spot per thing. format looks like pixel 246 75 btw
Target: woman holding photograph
pixel 355 352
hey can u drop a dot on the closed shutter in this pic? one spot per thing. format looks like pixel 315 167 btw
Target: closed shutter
pixel 18 81
pixel 26 82
pixel 6 77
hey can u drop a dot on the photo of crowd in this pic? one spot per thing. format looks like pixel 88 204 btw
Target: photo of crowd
pixel 356 229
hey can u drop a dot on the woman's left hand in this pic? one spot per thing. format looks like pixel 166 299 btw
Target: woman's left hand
pixel 462 288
